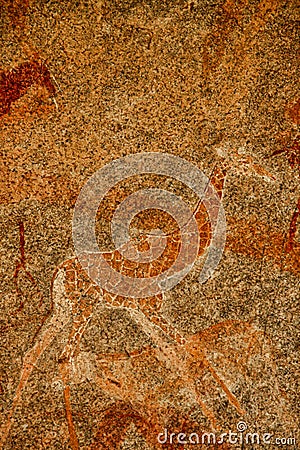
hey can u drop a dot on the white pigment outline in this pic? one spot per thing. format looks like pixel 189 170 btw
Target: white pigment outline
pixel 95 190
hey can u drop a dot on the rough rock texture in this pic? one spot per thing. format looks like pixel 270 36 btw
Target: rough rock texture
pixel 83 83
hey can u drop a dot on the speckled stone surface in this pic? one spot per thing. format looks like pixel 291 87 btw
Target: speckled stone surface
pixel 83 83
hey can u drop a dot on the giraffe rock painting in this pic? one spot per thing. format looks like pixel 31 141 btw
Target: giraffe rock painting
pixel 149 304
pixel 75 296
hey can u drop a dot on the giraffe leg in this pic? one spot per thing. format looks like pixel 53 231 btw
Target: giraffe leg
pixel 60 318
pixel 72 431
pixel 165 326
pixel 65 360
pixel 233 400
pixel 79 326
pixel 214 339
pixel 175 359
pixel 150 307
pixel 148 317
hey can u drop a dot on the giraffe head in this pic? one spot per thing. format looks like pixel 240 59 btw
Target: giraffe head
pixel 241 162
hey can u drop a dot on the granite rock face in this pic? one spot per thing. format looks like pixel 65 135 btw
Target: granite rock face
pixel 215 85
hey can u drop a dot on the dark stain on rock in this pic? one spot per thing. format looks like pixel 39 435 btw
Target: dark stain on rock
pixel 14 83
